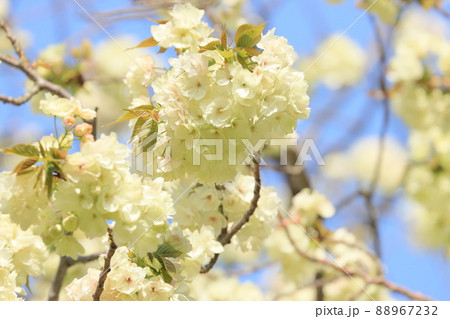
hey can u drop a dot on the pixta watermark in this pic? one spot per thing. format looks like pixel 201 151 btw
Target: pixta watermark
pixel 147 157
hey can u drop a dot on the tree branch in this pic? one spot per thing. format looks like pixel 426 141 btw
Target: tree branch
pixel 381 281
pixel 21 99
pixel 226 235
pixel 64 264
pixel 22 64
pixel 106 267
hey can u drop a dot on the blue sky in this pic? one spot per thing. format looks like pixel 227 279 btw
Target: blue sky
pixel 304 23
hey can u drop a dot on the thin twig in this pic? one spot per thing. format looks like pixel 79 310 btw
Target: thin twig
pixel 381 281
pixel 21 99
pixel 64 264
pixel 346 201
pixel 321 282
pixel 226 236
pixel 22 64
pixel 106 267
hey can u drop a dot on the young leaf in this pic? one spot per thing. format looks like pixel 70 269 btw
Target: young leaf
pixel 253 51
pixel 158 21
pixel 166 276
pixel 22 150
pixel 161 50
pixel 167 250
pixel 147 43
pixel 125 117
pixel 169 265
pixel 49 181
pixel 30 170
pixel 241 60
pixel 59 171
pixel 226 54
pixel 40 178
pixel 41 149
pixel 25 164
pixel 248 35
pixel 153 134
pixel 57 154
pixel 223 38
pixel 211 45
pixel 137 127
pixel 242 53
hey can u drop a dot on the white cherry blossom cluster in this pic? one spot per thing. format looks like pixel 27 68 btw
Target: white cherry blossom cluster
pixel 216 286
pixel 21 255
pixel 420 96
pixel 125 282
pixel 204 97
pixel 337 62
pixel 360 163
pixel 307 208
pixel 208 210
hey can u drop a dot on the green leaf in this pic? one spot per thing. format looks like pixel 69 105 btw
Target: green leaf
pixel 41 148
pixel 248 35
pixel 22 150
pixel 30 170
pixel 40 178
pixel 153 127
pixel 137 127
pixel 167 250
pixel 242 53
pixel 211 61
pixel 59 171
pixel 58 154
pixel 25 164
pixel 169 265
pixel 145 111
pixel 147 43
pixel 166 276
pixel 252 51
pixel 125 117
pixel 49 181
pixel 226 54
pixel 211 45
pixel 141 262
pixel 244 64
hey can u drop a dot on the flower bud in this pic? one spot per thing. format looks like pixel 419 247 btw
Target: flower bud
pixel 70 223
pixel 83 129
pixel 87 138
pixel 55 231
pixel 69 120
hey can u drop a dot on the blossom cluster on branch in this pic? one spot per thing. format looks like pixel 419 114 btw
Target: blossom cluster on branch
pixel 123 234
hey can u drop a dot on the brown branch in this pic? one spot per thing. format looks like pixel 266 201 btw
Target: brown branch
pixel 15 44
pixel 64 264
pixel 21 99
pixel 106 267
pixel 347 201
pixel 226 235
pixel 40 84
pixel 381 281
pixel 441 9
pixel 318 283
